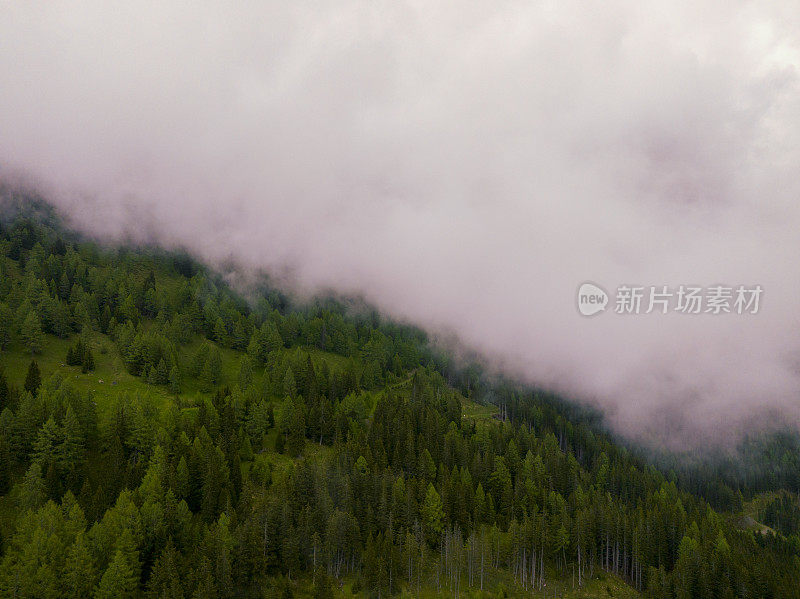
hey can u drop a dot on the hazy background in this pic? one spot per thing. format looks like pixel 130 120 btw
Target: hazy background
pixel 464 166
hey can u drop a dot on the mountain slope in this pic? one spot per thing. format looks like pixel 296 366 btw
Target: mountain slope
pixel 201 445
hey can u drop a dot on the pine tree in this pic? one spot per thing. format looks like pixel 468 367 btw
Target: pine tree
pixel 432 514
pixel 48 441
pixel 240 335
pixel 161 374
pixel 31 333
pixel 212 370
pixel 60 319
pixel 220 333
pixel 118 581
pixel 272 340
pixel 293 426
pixel 33 379
pixel 427 468
pixel 70 358
pixel 165 580
pixel 289 384
pixel 501 489
pixel 245 373
pixel 87 360
pixel 6 318
pixel 75 353
pixel 481 509
pixel 121 578
pixel 174 381
pixel 182 479
pixel 64 286
pixel 215 479
pixel 32 493
pixel 79 575
pixel 199 360
pixel 206 589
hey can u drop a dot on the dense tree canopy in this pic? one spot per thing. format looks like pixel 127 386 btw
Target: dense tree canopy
pixel 267 447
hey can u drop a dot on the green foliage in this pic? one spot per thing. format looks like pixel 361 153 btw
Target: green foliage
pixel 6 320
pixel 165 579
pixel 340 449
pixel 80 354
pixel 80 573
pixel 33 379
pixel 432 514
pixel 32 492
pixel 119 581
pixel 5 392
pixel 31 333
pixel 212 369
pixel 174 381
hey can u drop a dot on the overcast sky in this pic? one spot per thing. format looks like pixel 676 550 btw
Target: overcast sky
pixel 463 165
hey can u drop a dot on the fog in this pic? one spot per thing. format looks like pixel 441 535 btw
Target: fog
pixel 463 166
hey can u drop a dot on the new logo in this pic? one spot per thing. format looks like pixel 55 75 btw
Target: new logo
pixel 591 299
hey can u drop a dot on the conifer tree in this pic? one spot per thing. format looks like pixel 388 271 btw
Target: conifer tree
pixel 182 479
pixel 31 333
pixel 245 378
pixel 47 445
pixel 33 379
pixel 432 514
pixel 206 589
pixel 212 369
pixel 220 333
pixel 289 384
pixel 70 357
pixel 118 581
pixel 174 381
pixel 165 579
pixel 161 374
pixel 87 360
pixel 79 574
pixel 33 492
pixel 72 452
pixel 6 318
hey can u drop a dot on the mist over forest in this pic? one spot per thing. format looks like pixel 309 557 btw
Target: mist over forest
pixel 464 169
pixel 381 298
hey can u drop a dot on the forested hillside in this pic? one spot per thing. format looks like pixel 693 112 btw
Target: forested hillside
pixel 162 436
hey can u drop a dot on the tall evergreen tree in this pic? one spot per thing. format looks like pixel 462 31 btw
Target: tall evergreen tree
pixel 6 318
pixel 32 493
pixel 212 369
pixel 174 380
pixel 33 379
pixel 31 333
pixel 79 574
pixel 432 514
pixel 121 578
pixel 165 578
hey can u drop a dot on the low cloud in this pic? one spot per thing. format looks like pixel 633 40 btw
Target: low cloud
pixel 463 166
